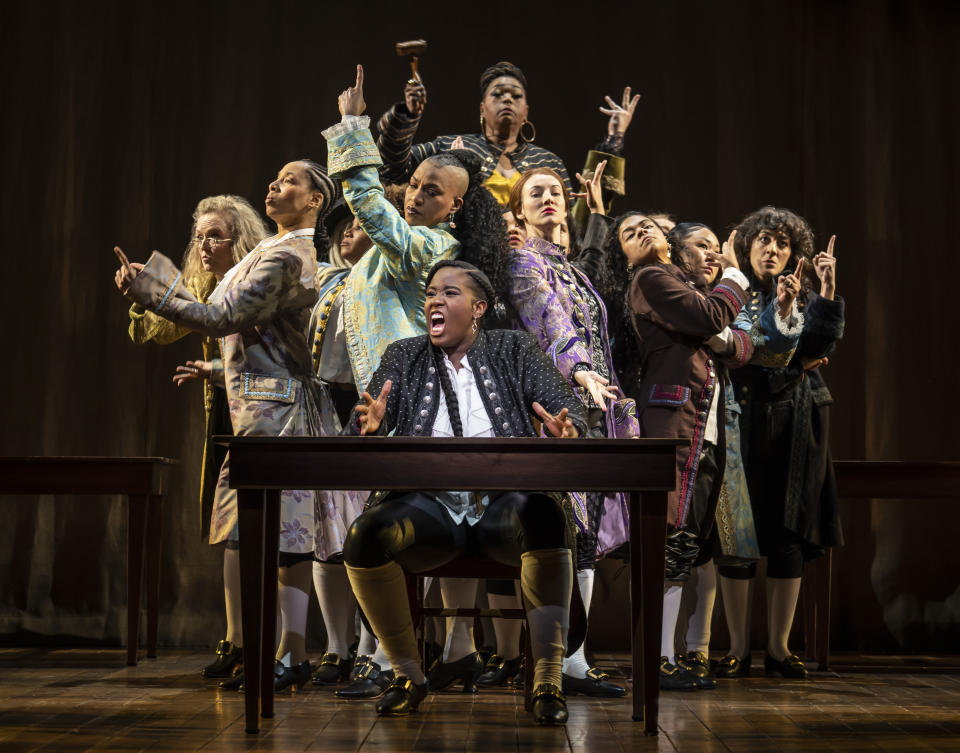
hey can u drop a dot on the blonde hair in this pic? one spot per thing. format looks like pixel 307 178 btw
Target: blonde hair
pixel 246 228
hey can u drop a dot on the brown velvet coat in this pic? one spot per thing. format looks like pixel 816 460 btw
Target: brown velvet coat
pixel 672 319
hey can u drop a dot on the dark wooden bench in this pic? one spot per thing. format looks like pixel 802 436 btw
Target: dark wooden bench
pixel 261 466
pixel 143 481
pixel 867 479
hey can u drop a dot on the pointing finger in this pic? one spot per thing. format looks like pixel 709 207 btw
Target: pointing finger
pixel 833 239
pixel 359 84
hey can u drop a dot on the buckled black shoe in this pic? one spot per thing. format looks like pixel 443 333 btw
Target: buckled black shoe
pixel 235 682
pixel 674 678
pixel 696 664
pixel 284 676
pixel 731 666
pixel 791 667
pixel 594 684
pixel 228 657
pixel 401 698
pixel 467 670
pixel 366 680
pixel 549 705
pixel 499 671
pixel 331 670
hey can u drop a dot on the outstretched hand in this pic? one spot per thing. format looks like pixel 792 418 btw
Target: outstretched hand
pixel 593 189
pixel 598 387
pixel 124 276
pixel 558 425
pixel 351 101
pixel 192 370
pixel 825 265
pixel 622 114
pixel 371 412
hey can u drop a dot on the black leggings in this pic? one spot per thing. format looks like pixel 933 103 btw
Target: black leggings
pixel 416 531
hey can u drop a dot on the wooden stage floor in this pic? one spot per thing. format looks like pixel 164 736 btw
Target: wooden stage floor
pixel 87 700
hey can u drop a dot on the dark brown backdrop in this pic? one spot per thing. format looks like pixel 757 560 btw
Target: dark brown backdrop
pixel 118 117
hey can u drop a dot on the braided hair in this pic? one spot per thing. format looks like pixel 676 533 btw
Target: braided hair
pixel 331 192
pixel 484 292
pixel 481 231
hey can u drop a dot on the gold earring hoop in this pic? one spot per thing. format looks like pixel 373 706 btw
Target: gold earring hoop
pixel 483 126
pixel 533 128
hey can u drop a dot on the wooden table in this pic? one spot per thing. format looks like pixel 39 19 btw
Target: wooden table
pixel 261 466
pixel 143 481
pixel 867 479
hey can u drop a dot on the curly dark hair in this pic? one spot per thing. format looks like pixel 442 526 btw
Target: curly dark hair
pixel 481 231
pixel 774 218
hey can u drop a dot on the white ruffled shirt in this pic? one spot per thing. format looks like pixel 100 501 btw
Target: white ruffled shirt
pixel 462 506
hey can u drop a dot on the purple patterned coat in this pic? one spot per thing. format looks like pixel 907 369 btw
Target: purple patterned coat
pixel 549 306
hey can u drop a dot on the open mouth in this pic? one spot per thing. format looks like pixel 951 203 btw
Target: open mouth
pixel 437 323
pixel 411 211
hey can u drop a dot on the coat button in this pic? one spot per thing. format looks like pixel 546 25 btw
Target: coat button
pixel 498 410
pixel 427 399
pixel 743 403
pixel 423 413
pixel 418 427
pixel 483 369
pixel 487 383
pixel 493 395
pixel 744 388
pixel 506 426
pixel 429 385
pixel 431 370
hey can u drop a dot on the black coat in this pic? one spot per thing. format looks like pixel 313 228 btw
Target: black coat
pixel 785 439
pixel 511 372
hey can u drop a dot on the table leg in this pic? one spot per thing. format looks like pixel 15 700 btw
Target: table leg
pixel 824 585
pixel 250 510
pixel 154 530
pixel 136 534
pixel 268 647
pixel 636 606
pixel 653 535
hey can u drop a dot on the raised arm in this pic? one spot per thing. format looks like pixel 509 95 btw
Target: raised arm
pixel 353 159
pixel 398 128
pixel 672 304
pixel 272 283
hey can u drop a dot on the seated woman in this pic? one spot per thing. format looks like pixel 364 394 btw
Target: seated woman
pixel 447 214
pixel 225 229
pixel 259 313
pixel 461 381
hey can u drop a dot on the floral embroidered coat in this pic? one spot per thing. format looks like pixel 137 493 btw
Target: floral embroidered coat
pixel 384 296
pixel 545 296
pixel 259 314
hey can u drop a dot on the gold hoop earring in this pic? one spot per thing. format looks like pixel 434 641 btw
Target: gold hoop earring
pixel 533 128
pixel 483 126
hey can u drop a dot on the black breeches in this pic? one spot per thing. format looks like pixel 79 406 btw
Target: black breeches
pixel 784 561
pixel 416 531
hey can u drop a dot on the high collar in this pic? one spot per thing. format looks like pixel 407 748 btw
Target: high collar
pixel 543 246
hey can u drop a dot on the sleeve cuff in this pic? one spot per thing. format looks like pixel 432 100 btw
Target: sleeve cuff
pixel 735 275
pixel 348 124
pixel 792 326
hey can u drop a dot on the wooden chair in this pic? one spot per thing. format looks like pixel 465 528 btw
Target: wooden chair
pixel 483 569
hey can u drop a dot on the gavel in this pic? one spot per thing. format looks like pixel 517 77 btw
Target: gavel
pixel 413 49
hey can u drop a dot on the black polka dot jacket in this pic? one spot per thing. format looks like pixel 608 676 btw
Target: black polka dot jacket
pixel 511 372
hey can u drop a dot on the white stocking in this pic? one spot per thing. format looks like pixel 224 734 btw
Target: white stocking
pixel 576 665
